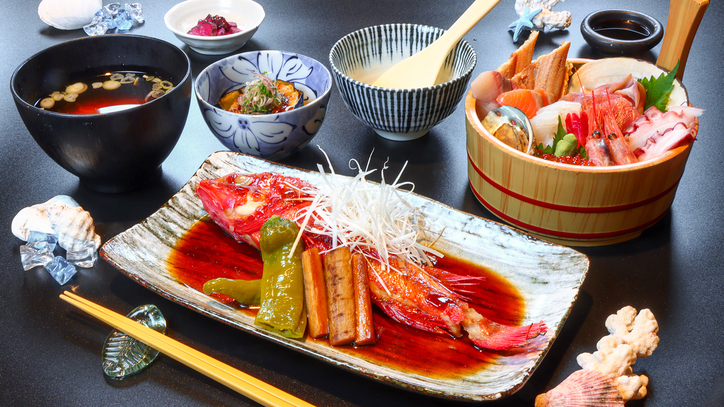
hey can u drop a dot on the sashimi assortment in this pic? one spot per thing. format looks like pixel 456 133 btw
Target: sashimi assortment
pixel 621 110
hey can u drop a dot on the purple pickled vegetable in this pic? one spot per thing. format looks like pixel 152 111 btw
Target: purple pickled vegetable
pixel 214 26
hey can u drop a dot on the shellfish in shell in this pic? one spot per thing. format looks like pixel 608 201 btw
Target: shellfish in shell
pixel 62 216
pixel 583 388
pixel 68 14
pixel 511 126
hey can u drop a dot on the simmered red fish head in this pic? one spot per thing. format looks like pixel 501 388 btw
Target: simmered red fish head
pixel 241 203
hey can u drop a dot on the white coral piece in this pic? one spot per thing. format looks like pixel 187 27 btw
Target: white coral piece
pixel 631 336
pixel 632 387
pixel 613 358
pixel 639 331
pixel 546 19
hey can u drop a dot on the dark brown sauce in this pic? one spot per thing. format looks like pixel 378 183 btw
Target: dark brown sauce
pixel 206 252
pixel 625 30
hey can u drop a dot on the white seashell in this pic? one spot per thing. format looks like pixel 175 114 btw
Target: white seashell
pixel 546 19
pixel 60 215
pixel 29 219
pixel 74 227
pixel 68 14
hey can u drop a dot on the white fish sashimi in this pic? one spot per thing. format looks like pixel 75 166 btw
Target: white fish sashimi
pixel 545 122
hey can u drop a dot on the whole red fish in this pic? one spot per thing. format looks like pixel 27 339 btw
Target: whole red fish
pixel 422 297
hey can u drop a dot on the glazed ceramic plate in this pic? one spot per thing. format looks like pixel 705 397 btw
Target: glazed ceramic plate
pixel 548 277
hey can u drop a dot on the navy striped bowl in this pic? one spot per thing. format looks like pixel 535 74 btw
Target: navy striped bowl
pixel 397 114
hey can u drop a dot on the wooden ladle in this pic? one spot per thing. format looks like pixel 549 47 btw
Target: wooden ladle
pixel 422 69
pixel 684 19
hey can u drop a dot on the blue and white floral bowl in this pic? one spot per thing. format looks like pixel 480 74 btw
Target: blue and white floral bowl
pixel 397 114
pixel 270 136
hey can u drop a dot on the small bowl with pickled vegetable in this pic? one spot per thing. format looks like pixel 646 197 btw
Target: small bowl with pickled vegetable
pixel 269 104
pixel 359 58
pixel 108 109
pixel 230 24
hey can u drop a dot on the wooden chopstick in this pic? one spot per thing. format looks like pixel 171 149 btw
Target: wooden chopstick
pixel 237 380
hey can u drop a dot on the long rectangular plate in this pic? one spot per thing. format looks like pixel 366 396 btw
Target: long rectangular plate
pixel 547 275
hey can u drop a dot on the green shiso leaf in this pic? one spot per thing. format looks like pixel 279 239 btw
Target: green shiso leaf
pixel 659 89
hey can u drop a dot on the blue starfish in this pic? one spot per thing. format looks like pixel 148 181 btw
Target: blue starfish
pixel 525 20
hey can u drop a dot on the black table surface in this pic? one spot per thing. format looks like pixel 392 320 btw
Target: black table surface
pixel 50 353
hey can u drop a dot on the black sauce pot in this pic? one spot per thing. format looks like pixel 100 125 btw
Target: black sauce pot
pixel 596 26
pixel 113 152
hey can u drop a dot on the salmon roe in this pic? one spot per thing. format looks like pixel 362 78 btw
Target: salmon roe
pixel 566 159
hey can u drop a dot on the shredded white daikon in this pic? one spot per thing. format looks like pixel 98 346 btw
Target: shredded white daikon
pixel 363 215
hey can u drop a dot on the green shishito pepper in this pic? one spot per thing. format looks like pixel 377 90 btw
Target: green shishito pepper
pixel 245 292
pixel 282 289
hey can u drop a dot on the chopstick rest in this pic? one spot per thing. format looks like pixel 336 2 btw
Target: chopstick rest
pixel 237 380
pixel 125 356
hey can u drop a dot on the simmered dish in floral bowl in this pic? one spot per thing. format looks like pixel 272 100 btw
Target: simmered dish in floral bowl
pixel 281 101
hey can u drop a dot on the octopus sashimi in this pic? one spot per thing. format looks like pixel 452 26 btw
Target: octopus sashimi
pixel 656 132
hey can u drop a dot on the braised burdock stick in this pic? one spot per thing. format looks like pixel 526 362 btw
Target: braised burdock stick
pixel 365 332
pixel 315 293
pixel 340 296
